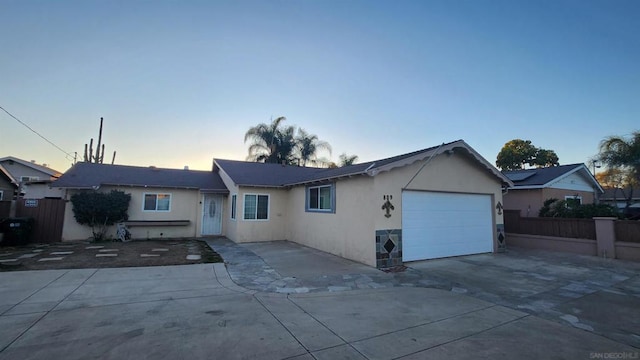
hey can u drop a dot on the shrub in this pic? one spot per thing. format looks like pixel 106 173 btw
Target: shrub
pixel 563 209
pixel 99 210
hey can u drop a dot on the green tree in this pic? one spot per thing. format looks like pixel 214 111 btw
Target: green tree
pixel 517 153
pixel 99 210
pixel 623 154
pixel 308 146
pixel 271 143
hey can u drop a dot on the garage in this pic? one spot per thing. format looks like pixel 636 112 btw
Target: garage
pixel 439 224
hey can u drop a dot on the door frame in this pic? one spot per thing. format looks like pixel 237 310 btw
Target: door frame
pixel 219 199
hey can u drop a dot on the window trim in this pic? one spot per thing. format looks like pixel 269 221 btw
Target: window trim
pixel 234 207
pixel 144 196
pixel 573 197
pixel 244 203
pixel 307 196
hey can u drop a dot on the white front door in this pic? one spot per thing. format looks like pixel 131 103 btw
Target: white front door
pixel 212 215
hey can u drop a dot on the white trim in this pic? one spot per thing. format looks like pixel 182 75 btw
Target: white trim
pixel 332 204
pixel 244 197
pixel 144 195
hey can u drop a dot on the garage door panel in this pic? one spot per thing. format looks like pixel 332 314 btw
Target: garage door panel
pixel 443 224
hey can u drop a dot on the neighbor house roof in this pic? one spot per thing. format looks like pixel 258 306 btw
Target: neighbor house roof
pixel 33 165
pixel 92 176
pixel 244 173
pixel 6 174
pixel 619 194
pixel 545 177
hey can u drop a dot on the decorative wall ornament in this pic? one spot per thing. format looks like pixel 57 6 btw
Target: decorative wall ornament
pixel 387 206
pixel 499 208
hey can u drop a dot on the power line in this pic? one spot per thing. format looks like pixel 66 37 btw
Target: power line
pixel 69 156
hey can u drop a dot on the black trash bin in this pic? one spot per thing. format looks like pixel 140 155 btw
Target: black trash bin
pixel 16 231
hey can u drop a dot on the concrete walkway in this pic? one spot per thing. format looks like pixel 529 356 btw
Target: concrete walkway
pixel 198 312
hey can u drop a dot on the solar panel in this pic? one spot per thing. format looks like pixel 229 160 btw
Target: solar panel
pixel 521 176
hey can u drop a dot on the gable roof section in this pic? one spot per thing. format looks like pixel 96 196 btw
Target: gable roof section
pixel 244 173
pixel 544 177
pixel 4 173
pixel 43 169
pixel 91 176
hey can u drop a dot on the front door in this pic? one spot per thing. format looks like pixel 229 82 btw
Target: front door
pixel 212 215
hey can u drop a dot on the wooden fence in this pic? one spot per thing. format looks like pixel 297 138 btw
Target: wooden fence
pixel 557 227
pixel 48 215
pixel 5 209
pixel 627 230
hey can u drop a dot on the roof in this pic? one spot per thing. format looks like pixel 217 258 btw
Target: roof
pixel 85 175
pixel 41 168
pixel 544 177
pixel 6 174
pixel 244 173
pixel 611 193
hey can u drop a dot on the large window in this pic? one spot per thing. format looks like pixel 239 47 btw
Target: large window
pixel 256 207
pixel 573 201
pixel 234 201
pixel 157 202
pixel 321 198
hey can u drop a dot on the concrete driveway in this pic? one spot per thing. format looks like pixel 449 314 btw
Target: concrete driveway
pixel 197 311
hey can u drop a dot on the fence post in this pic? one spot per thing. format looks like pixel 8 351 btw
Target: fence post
pixel 605 236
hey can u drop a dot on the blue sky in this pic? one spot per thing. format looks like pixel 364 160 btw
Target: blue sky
pixel 179 83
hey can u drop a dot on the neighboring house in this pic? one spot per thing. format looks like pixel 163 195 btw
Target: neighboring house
pixel 34 180
pixel 165 203
pixel 618 197
pixel 8 185
pixel 531 187
pixel 437 202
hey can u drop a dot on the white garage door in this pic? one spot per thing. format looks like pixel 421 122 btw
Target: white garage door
pixel 436 225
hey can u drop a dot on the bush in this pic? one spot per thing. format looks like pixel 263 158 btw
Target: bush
pixel 99 210
pixel 563 209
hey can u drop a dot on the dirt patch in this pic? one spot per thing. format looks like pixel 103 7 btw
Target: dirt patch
pixel 85 255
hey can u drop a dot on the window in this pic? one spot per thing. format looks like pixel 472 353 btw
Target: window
pixel 573 201
pixel 1 195
pixel 256 207
pixel 29 178
pixel 157 202
pixel 321 198
pixel 234 199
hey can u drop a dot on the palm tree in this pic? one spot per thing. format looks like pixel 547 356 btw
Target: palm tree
pixel 618 152
pixel 307 147
pixel 270 143
pixel 346 160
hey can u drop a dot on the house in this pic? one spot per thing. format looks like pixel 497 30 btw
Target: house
pixel 531 187
pixel 34 180
pixel 437 202
pixel 617 197
pixel 165 203
pixel 8 185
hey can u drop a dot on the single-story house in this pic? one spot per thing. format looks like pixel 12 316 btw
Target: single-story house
pixel 618 197
pixel 437 202
pixel 33 179
pixel 165 203
pixel 532 187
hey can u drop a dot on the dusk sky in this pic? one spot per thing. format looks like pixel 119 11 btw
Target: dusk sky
pixel 180 82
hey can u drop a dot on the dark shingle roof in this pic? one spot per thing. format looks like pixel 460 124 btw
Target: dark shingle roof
pixel 541 176
pixel 259 174
pixel 90 175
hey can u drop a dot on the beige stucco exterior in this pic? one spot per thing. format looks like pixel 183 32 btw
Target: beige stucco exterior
pixel 185 205
pixel 350 231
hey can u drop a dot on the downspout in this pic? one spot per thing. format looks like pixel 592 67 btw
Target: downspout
pixel 423 165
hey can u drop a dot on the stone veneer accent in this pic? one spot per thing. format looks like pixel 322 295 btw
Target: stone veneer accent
pixel 388 248
pixel 502 244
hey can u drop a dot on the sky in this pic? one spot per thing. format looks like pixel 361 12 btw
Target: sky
pixel 179 83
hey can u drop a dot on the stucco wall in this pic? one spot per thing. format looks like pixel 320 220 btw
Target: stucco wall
pixel 229 226
pixel 275 228
pixel 185 205
pixel 349 232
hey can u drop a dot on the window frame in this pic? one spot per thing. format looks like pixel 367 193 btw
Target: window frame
pixel 234 207
pixel 257 195
pixel 573 197
pixel 1 195
pixel 144 197
pixel 332 189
